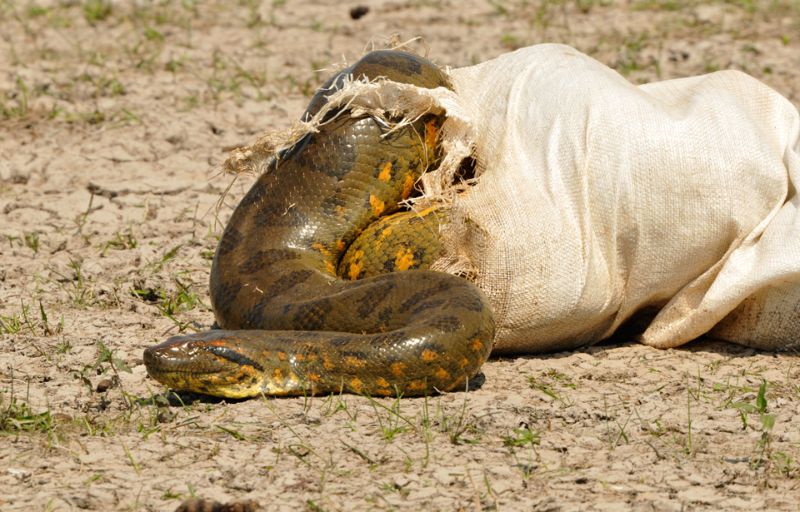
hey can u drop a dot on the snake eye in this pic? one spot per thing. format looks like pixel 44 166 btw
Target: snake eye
pixel 233 356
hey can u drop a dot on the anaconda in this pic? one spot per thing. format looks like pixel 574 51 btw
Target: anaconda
pixel 320 282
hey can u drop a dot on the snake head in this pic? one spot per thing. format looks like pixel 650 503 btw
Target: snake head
pixel 216 363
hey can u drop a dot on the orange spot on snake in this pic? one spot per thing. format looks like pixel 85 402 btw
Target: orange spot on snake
pixel 386 232
pixel 327 364
pixel 429 355
pixel 404 259
pixel 282 356
pixel 324 251
pixel 397 369
pixel 340 245
pixel 386 172
pixel 476 345
pixel 245 374
pixel 356 264
pixel 355 362
pixel 382 383
pixel 416 385
pixel 277 374
pixel 408 186
pixel 464 363
pixel 377 205
pixel 356 384
pixel 431 133
pixel 314 377
pixel 321 248
pixel 354 272
pixel 442 374
pixel 299 357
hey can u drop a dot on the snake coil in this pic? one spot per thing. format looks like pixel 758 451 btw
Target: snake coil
pixel 319 282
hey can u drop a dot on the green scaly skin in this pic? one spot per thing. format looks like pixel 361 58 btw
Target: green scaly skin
pixel 291 325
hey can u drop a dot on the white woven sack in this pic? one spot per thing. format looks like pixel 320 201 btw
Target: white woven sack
pixel 596 199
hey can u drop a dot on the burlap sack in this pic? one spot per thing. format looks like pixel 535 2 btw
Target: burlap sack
pixel 595 199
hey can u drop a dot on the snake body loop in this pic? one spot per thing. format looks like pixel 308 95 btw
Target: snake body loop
pixel 302 314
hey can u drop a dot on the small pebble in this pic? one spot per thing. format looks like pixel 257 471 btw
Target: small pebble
pixel 165 416
pixel 104 385
pixel 359 11
pixel 19 474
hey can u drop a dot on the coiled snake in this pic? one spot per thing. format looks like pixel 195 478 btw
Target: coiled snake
pixel 319 282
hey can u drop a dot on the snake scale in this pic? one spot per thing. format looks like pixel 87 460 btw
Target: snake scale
pixel 320 283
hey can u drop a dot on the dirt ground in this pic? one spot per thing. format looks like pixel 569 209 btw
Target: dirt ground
pixel 113 120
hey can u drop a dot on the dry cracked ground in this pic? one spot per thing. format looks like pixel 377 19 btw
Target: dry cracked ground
pixel 114 117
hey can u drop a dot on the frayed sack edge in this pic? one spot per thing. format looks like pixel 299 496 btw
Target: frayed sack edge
pixel 394 105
